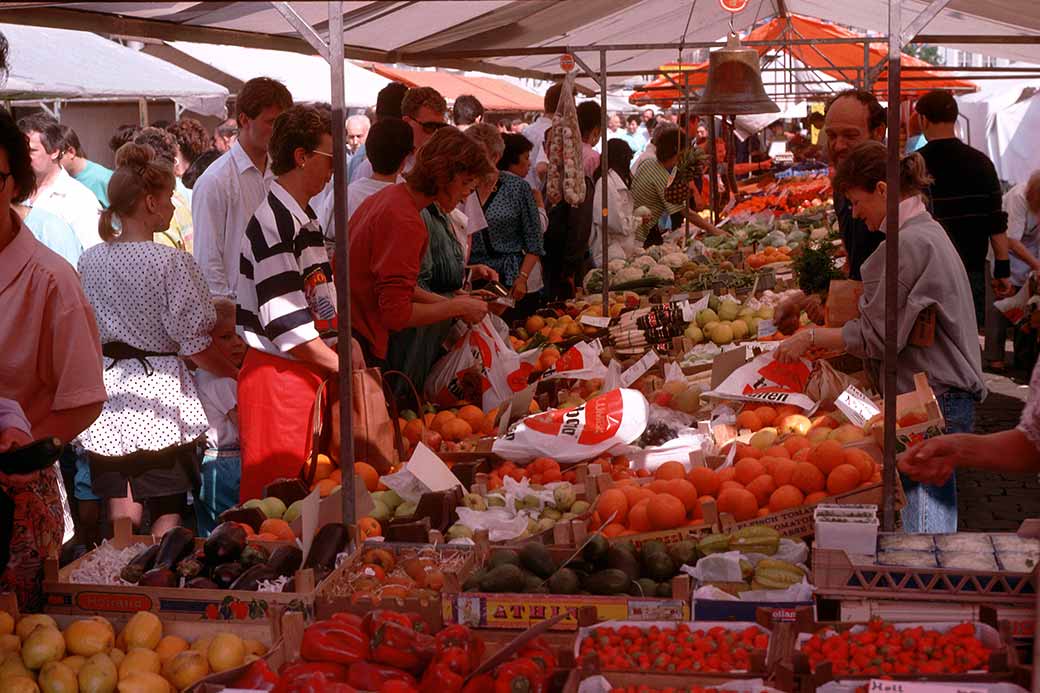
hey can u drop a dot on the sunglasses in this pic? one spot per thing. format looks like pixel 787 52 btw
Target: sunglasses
pixel 429 126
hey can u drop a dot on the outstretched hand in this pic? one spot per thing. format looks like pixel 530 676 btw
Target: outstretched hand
pixel 933 461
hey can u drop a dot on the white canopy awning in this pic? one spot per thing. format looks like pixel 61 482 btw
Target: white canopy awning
pixel 50 64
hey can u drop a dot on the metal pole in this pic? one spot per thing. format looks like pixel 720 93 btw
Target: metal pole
pixel 604 171
pixel 865 84
pixel 713 171
pixel 342 255
pixel 891 364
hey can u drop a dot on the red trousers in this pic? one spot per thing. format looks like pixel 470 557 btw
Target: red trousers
pixel 275 402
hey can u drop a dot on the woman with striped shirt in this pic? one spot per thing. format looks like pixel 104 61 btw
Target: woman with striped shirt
pixel 286 305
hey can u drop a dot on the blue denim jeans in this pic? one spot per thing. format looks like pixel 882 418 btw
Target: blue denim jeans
pixel 933 509
pixel 221 474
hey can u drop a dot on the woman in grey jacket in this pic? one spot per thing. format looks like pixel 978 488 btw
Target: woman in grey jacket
pixel 933 287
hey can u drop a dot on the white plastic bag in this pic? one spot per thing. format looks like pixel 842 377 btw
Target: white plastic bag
pixel 584 432
pixel 580 362
pixel 1016 308
pixel 767 381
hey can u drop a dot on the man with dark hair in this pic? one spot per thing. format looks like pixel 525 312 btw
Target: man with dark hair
pixel 536 133
pixel 966 197
pixel 226 195
pixel 56 191
pixel 75 162
pixel 631 135
pixel 467 110
pixel 423 109
pixel 590 123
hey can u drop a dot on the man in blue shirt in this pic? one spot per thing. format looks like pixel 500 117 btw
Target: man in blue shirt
pixel 632 136
pixel 52 231
pixel 89 173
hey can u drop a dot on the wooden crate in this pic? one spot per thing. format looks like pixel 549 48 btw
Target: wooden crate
pixel 172 603
pixel 661 682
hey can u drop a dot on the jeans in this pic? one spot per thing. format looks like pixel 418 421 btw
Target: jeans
pixel 221 474
pixel 933 509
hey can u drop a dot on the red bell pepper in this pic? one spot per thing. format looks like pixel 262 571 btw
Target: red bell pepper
pixel 334 641
pixel 367 676
pixel 441 678
pixel 311 683
pixel 373 619
pixel 401 647
pixel 257 677
pixel 519 676
pixel 482 683
pixel 542 655
pixel 397 686
pixel 330 670
pixel 462 637
pixel 346 617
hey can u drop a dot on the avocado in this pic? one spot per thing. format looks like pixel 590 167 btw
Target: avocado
pixel 503 557
pixel 473 581
pixel 564 581
pixel 659 566
pixel 626 546
pixel 609 581
pixel 596 549
pixel 531 581
pixel 579 566
pixel 504 578
pixel 536 558
pixel 653 546
pixel 624 561
pixel 647 587
pixel 664 590
pixel 683 553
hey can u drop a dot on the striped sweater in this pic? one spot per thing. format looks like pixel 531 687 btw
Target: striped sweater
pixel 286 295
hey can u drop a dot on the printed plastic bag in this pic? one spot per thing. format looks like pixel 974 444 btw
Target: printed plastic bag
pixel 580 362
pixel 571 435
pixel 766 380
pixel 1016 308
pixel 826 384
pixel 565 176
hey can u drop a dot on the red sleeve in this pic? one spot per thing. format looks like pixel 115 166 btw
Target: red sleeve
pixel 396 260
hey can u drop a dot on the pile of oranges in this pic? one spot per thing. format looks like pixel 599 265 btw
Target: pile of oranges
pixel 451 425
pixel 768 256
pixel 671 500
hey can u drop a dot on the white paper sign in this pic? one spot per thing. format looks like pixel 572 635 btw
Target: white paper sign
pixel 309 514
pixel 701 304
pixel 882 686
pixel 856 406
pixel 430 470
pixel 594 321
pixel 639 368
pixel 766 328
pixel 679 297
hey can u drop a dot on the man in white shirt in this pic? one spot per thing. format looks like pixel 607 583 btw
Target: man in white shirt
pixel 226 195
pixel 535 132
pixel 56 191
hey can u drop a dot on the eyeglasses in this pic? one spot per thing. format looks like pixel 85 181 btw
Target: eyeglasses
pixel 317 151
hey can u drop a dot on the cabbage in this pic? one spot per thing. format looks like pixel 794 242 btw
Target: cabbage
pixel 616 265
pixel 644 262
pixel 775 239
pixel 655 251
pixel 593 280
pixel 629 274
pixel 796 236
pixel 674 260
pixel 662 272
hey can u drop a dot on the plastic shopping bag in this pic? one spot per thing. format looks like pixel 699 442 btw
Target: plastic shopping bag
pixel 1016 308
pixel 571 435
pixel 580 362
pixel 767 381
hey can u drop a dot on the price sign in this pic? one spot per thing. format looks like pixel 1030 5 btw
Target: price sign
pixel 567 60
pixel 766 328
pixel 639 368
pixel 733 6
pixel 594 321
pixel 856 406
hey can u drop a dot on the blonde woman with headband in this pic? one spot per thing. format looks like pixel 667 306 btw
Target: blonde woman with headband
pixel 933 292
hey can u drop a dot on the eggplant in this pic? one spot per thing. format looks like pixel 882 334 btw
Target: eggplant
pixel 202 583
pixel 140 564
pixel 286 490
pixel 158 577
pixel 225 574
pixel 251 578
pixel 286 560
pixel 225 543
pixel 189 568
pixel 328 543
pixel 254 554
pixel 175 545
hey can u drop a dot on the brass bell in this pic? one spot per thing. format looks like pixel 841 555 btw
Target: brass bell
pixel 734 83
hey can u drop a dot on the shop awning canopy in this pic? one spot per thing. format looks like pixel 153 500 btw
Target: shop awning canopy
pixel 492 35
pixel 100 69
pixel 494 94
pixel 841 62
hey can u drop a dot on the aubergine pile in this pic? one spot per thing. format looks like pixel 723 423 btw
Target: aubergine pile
pixel 227 561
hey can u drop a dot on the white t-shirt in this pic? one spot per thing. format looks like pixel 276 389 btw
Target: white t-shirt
pixel 67 198
pixel 219 398
pixel 222 202
pixel 535 133
pixel 324 205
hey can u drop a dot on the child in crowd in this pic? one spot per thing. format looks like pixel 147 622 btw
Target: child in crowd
pixel 221 464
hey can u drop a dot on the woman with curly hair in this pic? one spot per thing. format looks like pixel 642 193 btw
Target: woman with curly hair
pixel 192 140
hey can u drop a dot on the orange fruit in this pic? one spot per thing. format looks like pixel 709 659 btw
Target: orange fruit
pixel 795 443
pixel 670 470
pixel 325 487
pixel 413 431
pixel 488 427
pixel 472 415
pixel 785 497
pixel 637 493
pixel 705 480
pixel 738 502
pixel 684 491
pixel 824 421
pixel 428 418
pixel 762 488
pixel 441 418
pixel 637 519
pixel 762 512
pixel 550 355
pixel 666 512
pixel 613 502
pixel 368 475
pixel 726 474
pixel 659 485
pixel 777 451
pixel 794 423
pixel 744 451
pixel 808 478
pixel 861 461
pixel 748 470
pixel 801 456
pixel 323 467
pixel 827 455
pixel 336 477
pixel 730 484
pixel 264 536
pixel 842 479
pixel 785 410
pixel 456 429
pixel 749 420
pixel 614 529
pixel 767 415
pixel 876 479
pixel 783 470
pixel 814 498
pixel 277 527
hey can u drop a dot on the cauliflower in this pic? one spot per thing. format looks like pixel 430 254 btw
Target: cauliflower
pixel 644 262
pixel 629 274
pixel 662 272
pixel 669 248
pixel 616 265
pixel 674 260
pixel 656 252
